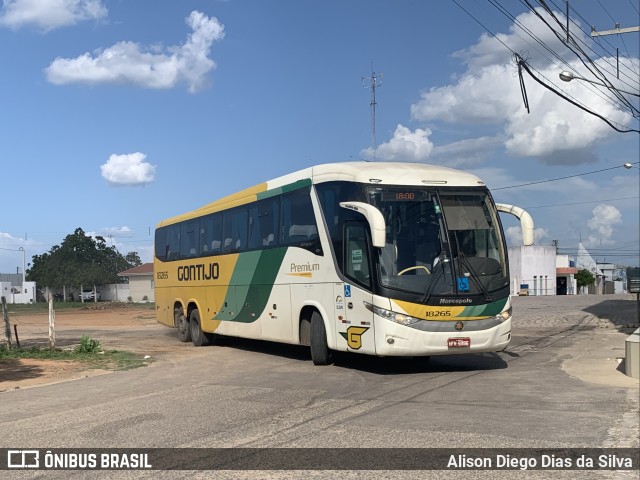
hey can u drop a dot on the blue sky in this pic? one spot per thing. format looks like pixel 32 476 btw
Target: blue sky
pixel 118 114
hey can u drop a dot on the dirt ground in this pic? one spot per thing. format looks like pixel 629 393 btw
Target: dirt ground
pixel 116 327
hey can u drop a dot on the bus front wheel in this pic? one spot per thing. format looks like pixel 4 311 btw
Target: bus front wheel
pixel 182 325
pixel 199 338
pixel 320 353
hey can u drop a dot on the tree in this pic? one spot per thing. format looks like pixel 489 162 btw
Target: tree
pixel 584 278
pixel 133 259
pixel 80 260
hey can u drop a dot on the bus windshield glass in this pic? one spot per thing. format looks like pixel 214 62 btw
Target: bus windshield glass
pixel 440 242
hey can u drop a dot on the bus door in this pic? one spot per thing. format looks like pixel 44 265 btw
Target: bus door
pixel 354 321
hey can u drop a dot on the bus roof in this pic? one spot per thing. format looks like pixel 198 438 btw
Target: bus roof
pixel 380 173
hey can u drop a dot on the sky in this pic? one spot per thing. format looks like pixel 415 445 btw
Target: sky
pixel 118 114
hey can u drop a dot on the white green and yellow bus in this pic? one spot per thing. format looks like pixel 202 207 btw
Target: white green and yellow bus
pixel 387 259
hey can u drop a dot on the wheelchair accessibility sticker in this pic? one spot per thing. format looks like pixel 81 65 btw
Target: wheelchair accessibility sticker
pixel 347 290
pixel 463 284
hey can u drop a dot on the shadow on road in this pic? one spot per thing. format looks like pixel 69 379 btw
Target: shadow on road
pixel 372 364
pixel 621 313
pixel 11 369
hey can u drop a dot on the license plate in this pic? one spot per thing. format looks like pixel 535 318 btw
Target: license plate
pixel 459 342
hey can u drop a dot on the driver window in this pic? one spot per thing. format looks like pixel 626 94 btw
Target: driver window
pixel 357 254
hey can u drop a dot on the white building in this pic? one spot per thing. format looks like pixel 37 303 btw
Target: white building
pixel 566 283
pixel 18 294
pixel 533 269
pixel 140 282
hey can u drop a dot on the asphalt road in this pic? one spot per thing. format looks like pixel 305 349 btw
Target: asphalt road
pixel 558 385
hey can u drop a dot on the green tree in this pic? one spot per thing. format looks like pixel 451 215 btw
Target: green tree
pixel 133 258
pixel 584 278
pixel 80 260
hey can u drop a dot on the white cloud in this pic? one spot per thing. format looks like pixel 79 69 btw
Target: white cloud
pixel 514 235
pixel 129 63
pixel 488 93
pixel 604 218
pixel 464 153
pixel 128 169
pixel 50 14
pixel 123 231
pixel 406 145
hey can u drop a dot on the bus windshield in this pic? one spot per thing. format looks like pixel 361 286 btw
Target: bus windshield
pixel 440 241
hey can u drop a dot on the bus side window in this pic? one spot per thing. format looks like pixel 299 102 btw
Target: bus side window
pixel 298 219
pixel 189 238
pixel 161 244
pixel 263 223
pixel 210 234
pixel 173 243
pixel 235 230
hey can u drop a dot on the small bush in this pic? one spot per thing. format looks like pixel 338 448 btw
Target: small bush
pixel 88 345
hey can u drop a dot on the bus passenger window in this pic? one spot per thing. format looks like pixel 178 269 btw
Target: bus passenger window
pixel 189 238
pixel 173 244
pixel 298 218
pixel 161 244
pixel 210 234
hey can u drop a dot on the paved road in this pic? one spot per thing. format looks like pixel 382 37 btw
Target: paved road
pixel 558 385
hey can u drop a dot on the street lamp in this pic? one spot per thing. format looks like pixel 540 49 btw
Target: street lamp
pixel 24 277
pixel 567 76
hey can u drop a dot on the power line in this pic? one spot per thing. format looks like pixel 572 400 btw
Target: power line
pixel 580 203
pixel 526 67
pixel 561 178
pixel 573 100
pixel 588 63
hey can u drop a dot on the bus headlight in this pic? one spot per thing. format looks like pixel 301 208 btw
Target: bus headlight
pixel 400 318
pixel 504 315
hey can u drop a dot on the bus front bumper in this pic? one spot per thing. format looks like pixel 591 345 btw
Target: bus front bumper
pixel 393 339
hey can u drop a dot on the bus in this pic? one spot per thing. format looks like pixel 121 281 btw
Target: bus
pixel 380 258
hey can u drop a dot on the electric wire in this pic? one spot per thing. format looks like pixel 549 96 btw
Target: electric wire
pixel 588 63
pixel 597 41
pixel 561 178
pixel 580 203
pixel 515 20
pixel 567 96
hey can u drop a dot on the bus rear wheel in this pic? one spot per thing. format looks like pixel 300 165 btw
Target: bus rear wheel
pixel 198 337
pixel 182 325
pixel 320 353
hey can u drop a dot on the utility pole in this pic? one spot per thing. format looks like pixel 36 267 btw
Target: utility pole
pixel 616 31
pixel 374 81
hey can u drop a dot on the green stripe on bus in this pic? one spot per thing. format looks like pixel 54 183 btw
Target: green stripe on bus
pixel 488 310
pixel 284 189
pixel 251 285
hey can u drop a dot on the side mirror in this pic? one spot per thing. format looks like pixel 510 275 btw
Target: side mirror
pixel 526 222
pixel 374 217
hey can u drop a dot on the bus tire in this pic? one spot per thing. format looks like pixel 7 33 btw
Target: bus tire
pixel 182 325
pixel 198 337
pixel 320 353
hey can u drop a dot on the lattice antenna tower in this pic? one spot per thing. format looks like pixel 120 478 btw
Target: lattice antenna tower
pixel 373 81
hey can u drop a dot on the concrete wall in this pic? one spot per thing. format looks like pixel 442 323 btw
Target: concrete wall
pixel 114 292
pixel 141 287
pixel 533 265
